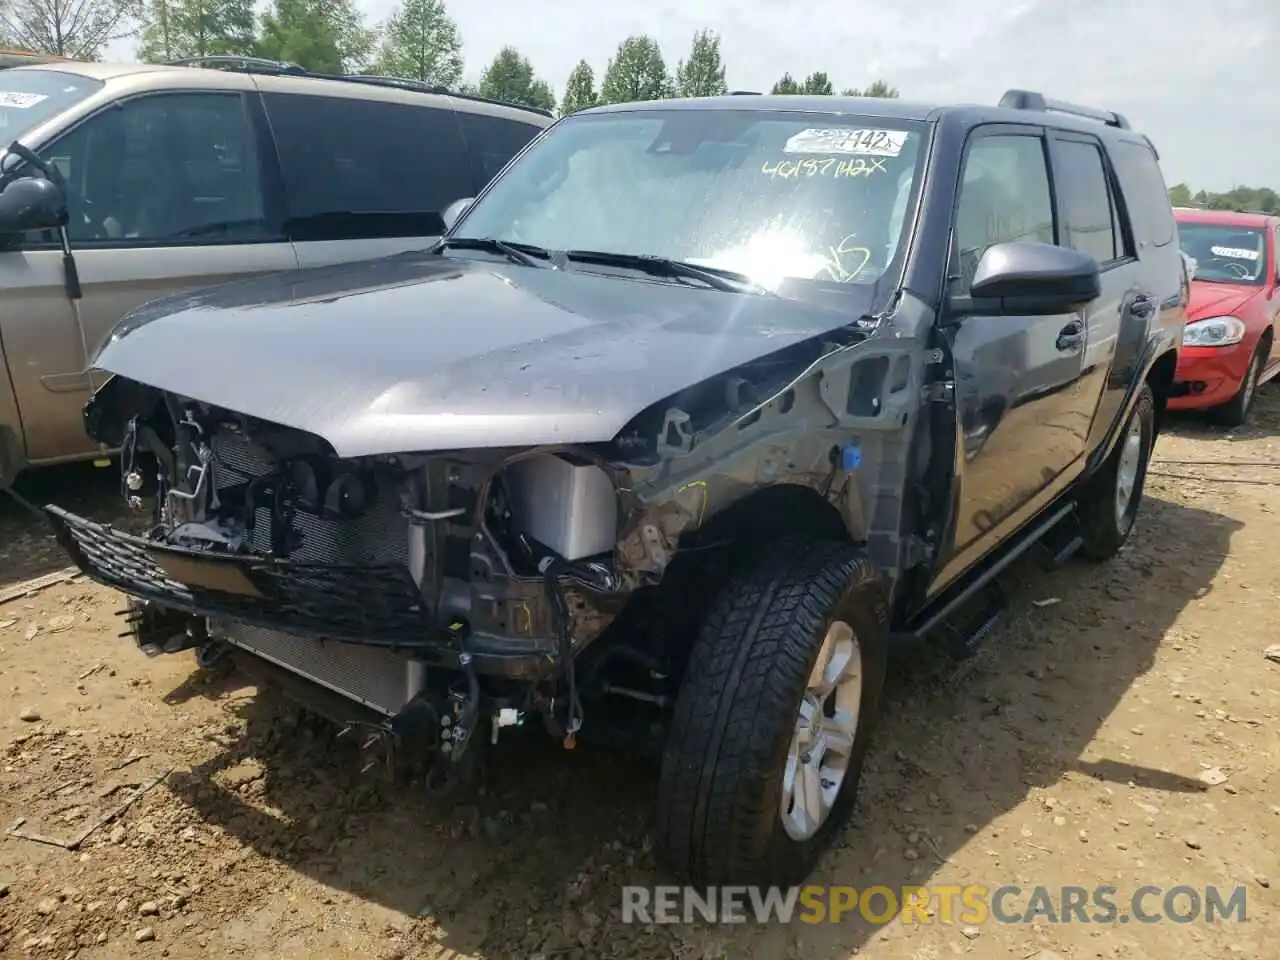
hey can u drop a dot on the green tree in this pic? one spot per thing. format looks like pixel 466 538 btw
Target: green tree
pixel 786 84
pixel 510 77
pixel 702 75
pixel 80 29
pixel 580 90
pixel 420 41
pixel 196 28
pixel 636 72
pixel 1180 195
pixel 328 36
pixel 877 88
pixel 1255 199
pixel 817 84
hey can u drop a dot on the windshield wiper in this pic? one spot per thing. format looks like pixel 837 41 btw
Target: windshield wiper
pixel 525 254
pixel 713 277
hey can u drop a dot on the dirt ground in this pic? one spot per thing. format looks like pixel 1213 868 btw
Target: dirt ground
pixel 1124 733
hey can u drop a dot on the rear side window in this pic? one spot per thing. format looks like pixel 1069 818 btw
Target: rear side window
pixel 1144 192
pixel 492 141
pixel 1004 197
pixel 1092 225
pixel 357 169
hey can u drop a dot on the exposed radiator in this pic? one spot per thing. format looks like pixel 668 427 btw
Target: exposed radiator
pixel 380 536
pixel 377 678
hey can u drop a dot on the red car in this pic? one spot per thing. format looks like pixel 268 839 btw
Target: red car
pixel 1229 346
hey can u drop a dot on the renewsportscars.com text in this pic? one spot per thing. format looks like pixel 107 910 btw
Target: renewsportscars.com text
pixel 972 904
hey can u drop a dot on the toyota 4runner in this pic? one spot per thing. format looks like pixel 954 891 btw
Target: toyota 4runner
pixel 694 414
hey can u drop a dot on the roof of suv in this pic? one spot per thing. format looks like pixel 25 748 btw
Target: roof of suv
pixel 1016 106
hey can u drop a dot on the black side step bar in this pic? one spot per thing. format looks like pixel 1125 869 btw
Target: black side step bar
pixel 984 583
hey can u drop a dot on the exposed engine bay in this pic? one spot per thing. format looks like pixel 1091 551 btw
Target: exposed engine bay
pixel 437 596
pixel 365 577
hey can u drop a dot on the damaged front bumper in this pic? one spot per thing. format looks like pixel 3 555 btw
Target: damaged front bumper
pixel 246 598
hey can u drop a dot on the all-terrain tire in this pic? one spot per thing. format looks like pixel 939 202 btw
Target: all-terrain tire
pixel 1235 412
pixel 1102 527
pixel 719 818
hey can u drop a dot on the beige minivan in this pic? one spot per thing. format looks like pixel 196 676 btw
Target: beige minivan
pixel 177 177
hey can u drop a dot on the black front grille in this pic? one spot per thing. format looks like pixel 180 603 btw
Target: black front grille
pixel 374 604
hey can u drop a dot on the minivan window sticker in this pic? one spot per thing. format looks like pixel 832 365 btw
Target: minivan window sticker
pixel 19 100
pixel 842 140
pixel 1234 253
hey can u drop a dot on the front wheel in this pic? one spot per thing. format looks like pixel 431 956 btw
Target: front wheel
pixel 1109 503
pixel 1235 412
pixel 765 752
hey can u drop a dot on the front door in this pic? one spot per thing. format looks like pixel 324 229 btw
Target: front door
pixel 165 193
pixel 1020 404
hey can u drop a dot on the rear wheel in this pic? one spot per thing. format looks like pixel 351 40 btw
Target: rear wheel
pixel 762 763
pixel 1109 503
pixel 1235 412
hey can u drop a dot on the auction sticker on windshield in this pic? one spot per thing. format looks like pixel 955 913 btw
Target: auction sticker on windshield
pixel 875 143
pixel 1234 253
pixel 21 101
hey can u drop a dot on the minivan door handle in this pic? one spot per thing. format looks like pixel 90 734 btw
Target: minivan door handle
pixel 1071 337
pixel 1142 307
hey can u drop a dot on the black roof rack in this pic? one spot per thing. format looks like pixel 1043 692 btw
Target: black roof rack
pixel 237 64
pixel 283 68
pixel 745 93
pixel 1030 100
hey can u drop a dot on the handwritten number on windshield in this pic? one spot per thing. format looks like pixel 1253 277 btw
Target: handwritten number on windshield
pixel 829 167
pixel 845 260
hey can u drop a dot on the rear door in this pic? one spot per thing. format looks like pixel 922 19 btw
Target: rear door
pixel 365 178
pixel 166 193
pixel 1093 223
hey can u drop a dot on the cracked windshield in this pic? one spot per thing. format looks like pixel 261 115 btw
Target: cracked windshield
pixel 775 198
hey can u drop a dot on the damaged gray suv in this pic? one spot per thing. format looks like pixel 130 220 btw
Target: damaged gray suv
pixel 695 414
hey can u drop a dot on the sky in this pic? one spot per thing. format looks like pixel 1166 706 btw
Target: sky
pixel 1201 79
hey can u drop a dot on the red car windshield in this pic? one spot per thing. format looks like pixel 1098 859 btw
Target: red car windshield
pixel 1225 253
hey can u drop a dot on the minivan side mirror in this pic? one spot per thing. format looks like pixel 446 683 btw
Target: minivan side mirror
pixel 1024 278
pixel 454 211
pixel 32 203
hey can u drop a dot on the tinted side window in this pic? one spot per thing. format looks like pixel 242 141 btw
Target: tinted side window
pixel 1144 192
pixel 1004 196
pixel 365 168
pixel 1091 223
pixel 492 141
pixel 165 168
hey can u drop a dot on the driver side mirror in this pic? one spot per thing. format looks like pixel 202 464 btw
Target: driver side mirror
pixel 454 211
pixel 32 203
pixel 1030 279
